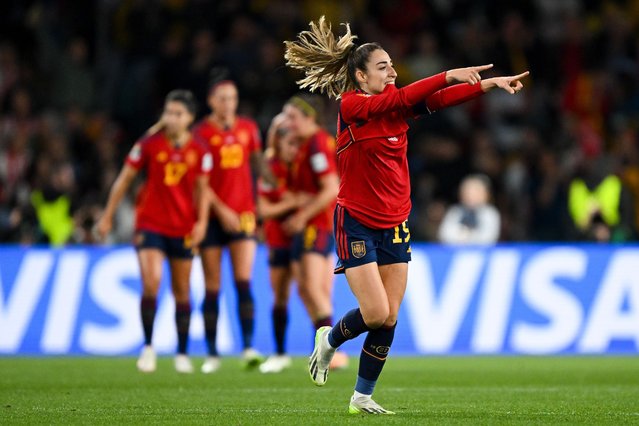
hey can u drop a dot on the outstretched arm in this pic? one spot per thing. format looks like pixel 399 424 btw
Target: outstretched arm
pixel 362 107
pixel 460 93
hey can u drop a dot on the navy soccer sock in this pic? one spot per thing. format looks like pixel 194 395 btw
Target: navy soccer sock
pixel 148 307
pixel 323 322
pixel 280 321
pixel 372 359
pixel 182 322
pixel 210 309
pixel 246 310
pixel 349 327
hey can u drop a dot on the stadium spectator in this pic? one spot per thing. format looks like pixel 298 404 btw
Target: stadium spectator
pixel 473 220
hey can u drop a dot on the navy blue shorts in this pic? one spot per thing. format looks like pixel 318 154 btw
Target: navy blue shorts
pixel 312 240
pixel 358 244
pixel 216 236
pixel 279 257
pixel 173 247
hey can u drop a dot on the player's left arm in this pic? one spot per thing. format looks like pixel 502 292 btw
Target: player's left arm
pixel 460 93
pixel 202 199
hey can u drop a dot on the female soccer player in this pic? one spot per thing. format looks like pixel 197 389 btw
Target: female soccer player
pixel 235 143
pixel 274 204
pixel 371 231
pixel 171 215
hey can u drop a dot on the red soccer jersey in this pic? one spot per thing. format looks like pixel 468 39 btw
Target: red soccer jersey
pixel 273 233
pixel 231 178
pixel 315 159
pixel 372 146
pixel 166 203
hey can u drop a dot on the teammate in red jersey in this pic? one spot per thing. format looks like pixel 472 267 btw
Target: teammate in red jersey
pixel 313 177
pixel 275 203
pixel 171 215
pixel 235 143
pixel 372 235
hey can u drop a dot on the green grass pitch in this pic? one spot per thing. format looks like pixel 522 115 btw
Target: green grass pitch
pixel 425 390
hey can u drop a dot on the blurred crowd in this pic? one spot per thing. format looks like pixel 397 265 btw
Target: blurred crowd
pixel 80 81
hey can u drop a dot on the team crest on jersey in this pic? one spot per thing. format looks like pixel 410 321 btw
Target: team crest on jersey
pixel 243 137
pixel 358 248
pixel 162 156
pixel 191 158
pixel 215 140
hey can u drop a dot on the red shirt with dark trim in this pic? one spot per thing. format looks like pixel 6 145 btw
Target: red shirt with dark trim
pixel 315 159
pixel 166 204
pixel 274 234
pixel 231 178
pixel 372 146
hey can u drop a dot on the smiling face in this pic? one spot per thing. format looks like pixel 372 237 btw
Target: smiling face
pixel 176 117
pixel 379 72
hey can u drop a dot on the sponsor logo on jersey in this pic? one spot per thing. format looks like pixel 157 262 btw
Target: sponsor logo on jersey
pixel 393 139
pixel 358 248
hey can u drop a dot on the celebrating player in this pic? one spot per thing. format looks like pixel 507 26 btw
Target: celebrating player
pixel 171 215
pixel 235 143
pixel 274 204
pixel 371 231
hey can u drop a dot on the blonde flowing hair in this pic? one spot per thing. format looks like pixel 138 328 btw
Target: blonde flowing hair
pixel 323 59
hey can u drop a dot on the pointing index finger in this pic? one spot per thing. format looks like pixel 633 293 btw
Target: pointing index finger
pixel 520 76
pixel 483 67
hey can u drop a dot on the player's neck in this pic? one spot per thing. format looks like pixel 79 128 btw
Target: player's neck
pixel 178 139
pixel 223 122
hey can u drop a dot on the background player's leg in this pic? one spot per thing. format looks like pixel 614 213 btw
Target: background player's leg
pixel 211 265
pixel 312 286
pixel 242 258
pixel 180 284
pixel 281 285
pixel 151 261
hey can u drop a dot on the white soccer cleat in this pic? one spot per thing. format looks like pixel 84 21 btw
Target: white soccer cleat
pixel 366 405
pixel 251 358
pixel 276 364
pixel 147 362
pixel 211 364
pixel 318 363
pixel 183 364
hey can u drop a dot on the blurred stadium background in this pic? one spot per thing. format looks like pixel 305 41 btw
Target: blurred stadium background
pixel 81 80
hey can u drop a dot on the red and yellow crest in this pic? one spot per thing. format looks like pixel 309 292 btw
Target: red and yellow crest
pixel 215 140
pixel 162 156
pixel 358 248
pixel 191 158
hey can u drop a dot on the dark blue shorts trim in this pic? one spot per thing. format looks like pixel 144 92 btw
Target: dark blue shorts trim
pixel 312 240
pixel 358 244
pixel 216 236
pixel 171 246
pixel 279 257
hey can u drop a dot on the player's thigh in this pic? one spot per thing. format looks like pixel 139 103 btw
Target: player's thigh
pixel 151 261
pixel 366 284
pixel 394 277
pixel 212 267
pixel 242 257
pixel 180 278
pixel 280 283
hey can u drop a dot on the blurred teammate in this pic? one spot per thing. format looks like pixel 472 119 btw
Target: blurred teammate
pixel 235 143
pixel 275 203
pixel 171 215
pixel 313 178
pixel 372 235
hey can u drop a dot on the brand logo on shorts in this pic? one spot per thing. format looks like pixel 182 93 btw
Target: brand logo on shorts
pixel 358 248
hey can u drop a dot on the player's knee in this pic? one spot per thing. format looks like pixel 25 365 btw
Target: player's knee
pixel 376 318
pixel 391 320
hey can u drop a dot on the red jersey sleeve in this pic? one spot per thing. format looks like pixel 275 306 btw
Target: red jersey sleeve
pixel 357 106
pixel 322 155
pixel 137 155
pixel 453 95
pixel 206 165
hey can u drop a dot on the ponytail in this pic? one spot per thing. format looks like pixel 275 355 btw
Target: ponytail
pixel 323 59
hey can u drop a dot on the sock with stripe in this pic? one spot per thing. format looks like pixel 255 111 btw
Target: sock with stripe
pixel 148 308
pixel 372 359
pixel 182 322
pixel 246 310
pixel 210 309
pixel 349 327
